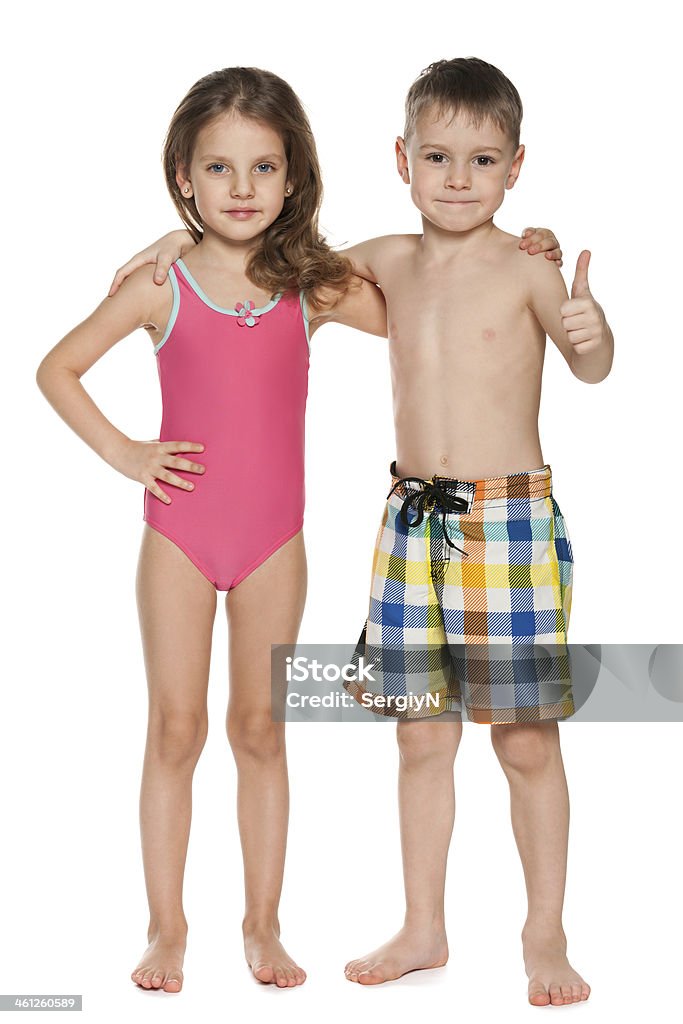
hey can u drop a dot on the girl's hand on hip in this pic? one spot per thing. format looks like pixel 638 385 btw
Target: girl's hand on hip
pixel 163 252
pixel 150 461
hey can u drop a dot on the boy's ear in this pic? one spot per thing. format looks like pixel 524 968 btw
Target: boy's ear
pixel 402 159
pixel 515 167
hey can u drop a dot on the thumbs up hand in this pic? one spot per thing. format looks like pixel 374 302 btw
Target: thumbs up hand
pixel 582 318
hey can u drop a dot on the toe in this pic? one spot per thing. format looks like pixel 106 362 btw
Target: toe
pixel 555 995
pixel 147 978
pixel 585 991
pixel 174 982
pixel 576 992
pixel 281 978
pixel 157 979
pixel 263 972
pixel 538 995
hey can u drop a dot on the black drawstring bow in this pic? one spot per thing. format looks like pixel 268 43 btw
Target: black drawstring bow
pixel 417 499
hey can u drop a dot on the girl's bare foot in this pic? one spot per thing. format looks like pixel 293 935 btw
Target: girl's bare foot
pixel 161 966
pixel 268 960
pixel 411 949
pixel 552 979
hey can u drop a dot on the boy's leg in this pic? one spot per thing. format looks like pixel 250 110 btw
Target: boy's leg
pixel 427 750
pixel 532 761
pixel 265 608
pixel 176 608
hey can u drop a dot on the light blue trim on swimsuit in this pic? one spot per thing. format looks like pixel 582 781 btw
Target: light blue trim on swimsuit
pixel 219 309
pixel 174 308
pixel 302 302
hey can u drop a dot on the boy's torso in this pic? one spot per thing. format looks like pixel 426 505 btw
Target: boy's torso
pixel 466 355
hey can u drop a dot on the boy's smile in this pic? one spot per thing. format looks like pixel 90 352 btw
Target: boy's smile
pixel 457 172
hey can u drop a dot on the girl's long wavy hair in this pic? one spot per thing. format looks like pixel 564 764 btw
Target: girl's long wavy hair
pixel 291 253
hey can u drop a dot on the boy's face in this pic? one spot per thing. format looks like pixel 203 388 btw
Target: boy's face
pixel 457 173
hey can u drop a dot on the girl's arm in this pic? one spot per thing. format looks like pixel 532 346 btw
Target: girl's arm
pixel 163 252
pixel 59 374
pixel 362 307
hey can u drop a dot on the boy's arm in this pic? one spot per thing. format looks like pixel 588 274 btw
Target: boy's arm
pixel 362 307
pixel 365 257
pixel 577 325
pixel 165 251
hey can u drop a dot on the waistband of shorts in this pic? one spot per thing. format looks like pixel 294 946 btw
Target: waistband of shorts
pixel 529 483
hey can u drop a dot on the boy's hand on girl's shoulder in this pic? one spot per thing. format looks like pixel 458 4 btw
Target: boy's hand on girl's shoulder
pixel 582 317
pixel 536 240
pixel 163 252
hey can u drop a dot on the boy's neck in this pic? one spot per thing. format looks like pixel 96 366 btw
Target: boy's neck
pixel 441 245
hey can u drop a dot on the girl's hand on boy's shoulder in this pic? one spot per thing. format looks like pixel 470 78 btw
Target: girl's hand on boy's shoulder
pixel 163 252
pixel 536 240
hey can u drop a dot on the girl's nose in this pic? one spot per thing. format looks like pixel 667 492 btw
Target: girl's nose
pixel 242 187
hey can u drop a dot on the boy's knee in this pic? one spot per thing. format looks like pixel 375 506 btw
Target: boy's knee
pixel 525 747
pixel 420 742
pixel 177 736
pixel 255 735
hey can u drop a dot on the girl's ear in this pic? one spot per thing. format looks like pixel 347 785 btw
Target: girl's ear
pixel 183 182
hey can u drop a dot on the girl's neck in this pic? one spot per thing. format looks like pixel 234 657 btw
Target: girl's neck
pixel 214 251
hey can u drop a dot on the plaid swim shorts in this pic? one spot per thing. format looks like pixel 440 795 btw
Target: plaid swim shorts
pixel 470 599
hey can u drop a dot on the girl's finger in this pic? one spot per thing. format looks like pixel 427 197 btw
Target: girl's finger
pixel 554 254
pixel 174 480
pixel 157 492
pixel 526 234
pixel 171 447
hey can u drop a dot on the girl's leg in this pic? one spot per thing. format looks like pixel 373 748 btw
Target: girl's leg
pixel 427 808
pixel 531 758
pixel 264 609
pixel 176 607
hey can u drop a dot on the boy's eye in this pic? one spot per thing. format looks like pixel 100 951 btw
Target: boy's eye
pixel 436 158
pixel 489 160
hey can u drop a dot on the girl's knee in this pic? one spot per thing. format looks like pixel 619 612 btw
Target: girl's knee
pixel 255 735
pixel 177 735
pixel 420 742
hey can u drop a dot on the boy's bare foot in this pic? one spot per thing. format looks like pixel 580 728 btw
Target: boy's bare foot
pixel 411 949
pixel 268 960
pixel 552 979
pixel 161 966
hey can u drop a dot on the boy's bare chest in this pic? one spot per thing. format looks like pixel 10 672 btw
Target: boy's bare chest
pixel 482 310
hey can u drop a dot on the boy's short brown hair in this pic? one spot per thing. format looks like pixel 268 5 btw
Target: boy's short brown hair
pixel 465 84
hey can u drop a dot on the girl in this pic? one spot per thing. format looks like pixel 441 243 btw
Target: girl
pixel 224 485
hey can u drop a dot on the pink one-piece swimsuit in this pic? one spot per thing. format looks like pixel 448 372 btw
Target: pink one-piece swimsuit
pixel 236 381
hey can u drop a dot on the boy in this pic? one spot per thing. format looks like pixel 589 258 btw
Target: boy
pixel 479 552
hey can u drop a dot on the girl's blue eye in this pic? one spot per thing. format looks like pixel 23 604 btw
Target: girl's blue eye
pixel 211 166
pixel 265 165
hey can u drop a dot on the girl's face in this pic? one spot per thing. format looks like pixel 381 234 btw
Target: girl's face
pixel 238 177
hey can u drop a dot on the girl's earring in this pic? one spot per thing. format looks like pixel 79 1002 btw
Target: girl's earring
pixel 186 190
pixel 288 191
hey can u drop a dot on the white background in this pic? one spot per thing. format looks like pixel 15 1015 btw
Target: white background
pixel 88 93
